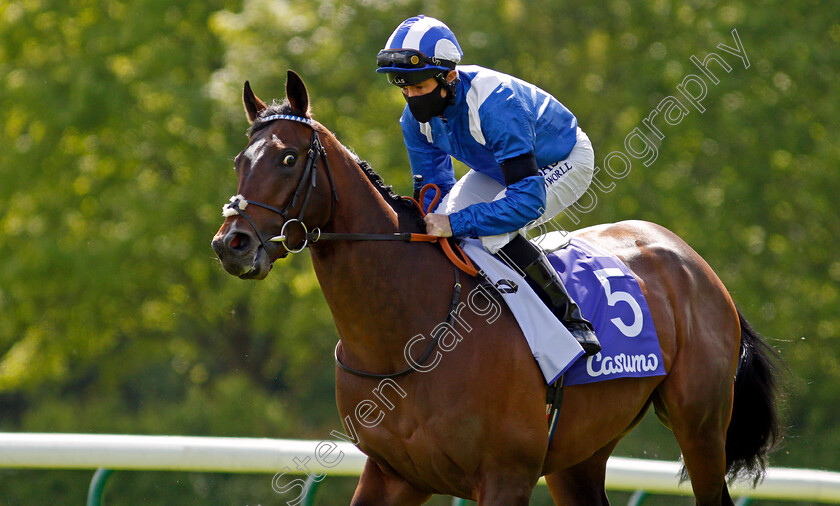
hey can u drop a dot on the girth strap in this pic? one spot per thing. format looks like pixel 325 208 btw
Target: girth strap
pixel 553 401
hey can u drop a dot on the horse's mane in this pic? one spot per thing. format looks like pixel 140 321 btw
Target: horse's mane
pixel 395 201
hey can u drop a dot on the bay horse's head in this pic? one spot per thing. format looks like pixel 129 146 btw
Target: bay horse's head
pixel 285 188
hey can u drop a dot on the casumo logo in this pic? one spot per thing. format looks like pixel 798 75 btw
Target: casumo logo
pixel 620 363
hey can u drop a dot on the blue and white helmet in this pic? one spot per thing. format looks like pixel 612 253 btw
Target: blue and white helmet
pixel 420 48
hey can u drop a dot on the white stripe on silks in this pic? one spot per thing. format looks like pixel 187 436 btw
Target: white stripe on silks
pixel 543 106
pixel 426 129
pixel 475 126
pixel 482 85
pixel 417 31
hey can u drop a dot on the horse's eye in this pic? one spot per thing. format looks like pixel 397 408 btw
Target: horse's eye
pixel 289 160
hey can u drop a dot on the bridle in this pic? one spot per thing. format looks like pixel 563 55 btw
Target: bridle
pixel 238 203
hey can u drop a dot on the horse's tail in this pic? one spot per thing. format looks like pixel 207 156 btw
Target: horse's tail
pixel 755 427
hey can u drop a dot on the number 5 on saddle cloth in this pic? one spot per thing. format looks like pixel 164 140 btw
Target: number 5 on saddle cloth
pixel 608 294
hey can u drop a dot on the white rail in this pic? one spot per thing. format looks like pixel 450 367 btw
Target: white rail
pixel 253 455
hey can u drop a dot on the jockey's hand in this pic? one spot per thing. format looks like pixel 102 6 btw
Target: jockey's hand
pixel 438 224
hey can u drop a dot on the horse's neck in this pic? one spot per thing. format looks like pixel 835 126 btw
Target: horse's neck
pixel 379 292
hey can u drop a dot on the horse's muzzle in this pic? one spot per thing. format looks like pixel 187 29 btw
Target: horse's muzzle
pixel 241 254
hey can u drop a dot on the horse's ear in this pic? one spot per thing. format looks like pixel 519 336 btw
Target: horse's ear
pixel 296 93
pixel 253 105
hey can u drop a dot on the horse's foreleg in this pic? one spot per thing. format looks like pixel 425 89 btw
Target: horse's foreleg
pixel 505 490
pixel 377 488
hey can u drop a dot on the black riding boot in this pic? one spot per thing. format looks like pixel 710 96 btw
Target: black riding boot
pixel 542 277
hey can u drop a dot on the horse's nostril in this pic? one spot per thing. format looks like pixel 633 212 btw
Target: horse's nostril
pixel 239 241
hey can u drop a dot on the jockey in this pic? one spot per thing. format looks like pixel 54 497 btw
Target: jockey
pixel 529 160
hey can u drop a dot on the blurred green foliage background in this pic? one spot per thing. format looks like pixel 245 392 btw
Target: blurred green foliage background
pixel 120 121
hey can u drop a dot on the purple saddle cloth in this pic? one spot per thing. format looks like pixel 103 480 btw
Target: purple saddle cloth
pixel 610 297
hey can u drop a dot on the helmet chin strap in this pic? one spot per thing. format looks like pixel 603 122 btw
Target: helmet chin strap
pixel 451 87
pixel 452 90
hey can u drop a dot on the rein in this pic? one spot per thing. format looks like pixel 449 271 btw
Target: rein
pixel 460 260
pixel 238 204
pixel 452 251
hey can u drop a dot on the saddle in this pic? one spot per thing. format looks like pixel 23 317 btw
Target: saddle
pixel 552 241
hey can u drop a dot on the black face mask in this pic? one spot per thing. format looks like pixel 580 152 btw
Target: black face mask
pixel 425 107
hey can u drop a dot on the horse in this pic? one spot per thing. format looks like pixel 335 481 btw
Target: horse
pixel 472 422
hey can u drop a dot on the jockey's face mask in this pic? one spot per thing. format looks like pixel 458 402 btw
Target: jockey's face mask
pixel 425 107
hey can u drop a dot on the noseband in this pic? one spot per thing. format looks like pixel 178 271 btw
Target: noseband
pixel 238 203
